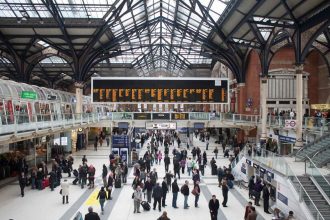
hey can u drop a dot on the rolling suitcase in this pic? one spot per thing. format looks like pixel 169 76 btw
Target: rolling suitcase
pixel 46 182
pixel 117 183
pixel 145 206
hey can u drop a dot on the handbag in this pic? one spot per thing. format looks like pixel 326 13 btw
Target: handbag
pixel 194 192
pixel 133 196
pixel 61 191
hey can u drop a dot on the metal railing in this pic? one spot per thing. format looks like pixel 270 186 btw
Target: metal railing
pixel 303 196
pixel 312 170
pixel 34 122
pixel 277 163
pixel 309 123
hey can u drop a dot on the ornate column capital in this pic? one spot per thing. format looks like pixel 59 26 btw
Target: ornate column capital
pixel 79 85
pixel 299 68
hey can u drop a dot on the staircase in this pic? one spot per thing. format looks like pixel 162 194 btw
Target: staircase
pixel 313 195
pixel 322 157
pixel 311 149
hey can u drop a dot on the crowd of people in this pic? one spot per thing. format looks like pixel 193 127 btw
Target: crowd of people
pixel 162 148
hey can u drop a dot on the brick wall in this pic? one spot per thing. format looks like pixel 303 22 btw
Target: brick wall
pixel 284 58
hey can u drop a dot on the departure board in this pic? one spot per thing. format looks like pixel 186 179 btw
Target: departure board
pixel 159 90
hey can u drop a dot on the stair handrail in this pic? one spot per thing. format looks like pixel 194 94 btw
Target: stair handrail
pixel 291 175
pixel 311 144
pixel 319 215
pixel 318 171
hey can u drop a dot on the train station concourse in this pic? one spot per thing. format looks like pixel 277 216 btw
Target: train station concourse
pixel 164 109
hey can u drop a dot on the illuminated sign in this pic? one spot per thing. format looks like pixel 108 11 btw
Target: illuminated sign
pixel 159 90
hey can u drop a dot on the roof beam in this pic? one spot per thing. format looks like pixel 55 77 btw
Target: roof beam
pixel 316 19
pixel 52 8
pixel 245 19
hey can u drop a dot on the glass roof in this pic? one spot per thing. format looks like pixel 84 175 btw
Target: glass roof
pixel 153 34
pixel 53 59
pixel 170 40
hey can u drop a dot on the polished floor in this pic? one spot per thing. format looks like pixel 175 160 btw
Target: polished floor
pixel 40 205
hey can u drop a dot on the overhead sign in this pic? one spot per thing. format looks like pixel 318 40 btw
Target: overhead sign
pixel 180 116
pixel 320 106
pixel 161 125
pixel 161 116
pixel 290 123
pixel 29 95
pixel 142 116
pixel 286 139
pixel 160 90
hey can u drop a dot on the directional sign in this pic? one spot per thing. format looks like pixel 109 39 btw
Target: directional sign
pixel 290 123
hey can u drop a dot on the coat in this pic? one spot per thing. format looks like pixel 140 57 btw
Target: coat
pixel 214 206
pixel 175 187
pixel 252 216
pixel 137 195
pixel 65 188
pixel 157 192
pixel 92 216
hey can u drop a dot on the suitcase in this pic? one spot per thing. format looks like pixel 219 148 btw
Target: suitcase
pixel 75 181
pixel 46 182
pixel 145 206
pixel 117 183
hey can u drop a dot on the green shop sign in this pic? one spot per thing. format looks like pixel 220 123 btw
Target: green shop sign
pixel 28 95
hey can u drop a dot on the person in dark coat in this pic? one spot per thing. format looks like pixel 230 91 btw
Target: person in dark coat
pixel 257 192
pixel 176 167
pixel 91 215
pixel 167 162
pixel 214 207
pixel 251 186
pixel 157 195
pixel 22 183
pixel 225 190
pixel 52 180
pixel 102 196
pixel 148 187
pixel 175 191
pixel 265 196
pixel 165 190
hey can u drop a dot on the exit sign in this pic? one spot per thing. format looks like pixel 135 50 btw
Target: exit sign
pixel 29 95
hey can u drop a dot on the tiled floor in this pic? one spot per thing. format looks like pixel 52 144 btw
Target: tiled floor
pixel 40 205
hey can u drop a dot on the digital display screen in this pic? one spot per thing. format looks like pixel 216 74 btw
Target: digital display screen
pixel 159 90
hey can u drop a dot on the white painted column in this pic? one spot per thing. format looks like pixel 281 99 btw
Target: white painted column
pixel 299 105
pixel 263 106
pixel 79 93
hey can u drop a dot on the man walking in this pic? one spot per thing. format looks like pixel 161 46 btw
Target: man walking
pixel 185 192
pixel 167 162
pixel 214 207
pixel 265 196
pixel 91 215
pixel 175 190
pixel 148 186
pixel 157 195
pixel 164 190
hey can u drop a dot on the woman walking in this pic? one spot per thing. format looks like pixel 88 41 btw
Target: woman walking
pixel 65 191
pixel 137 199
pixel 196 193
pixel 102 196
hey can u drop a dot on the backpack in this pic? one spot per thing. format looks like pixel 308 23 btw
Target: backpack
pixel 182 189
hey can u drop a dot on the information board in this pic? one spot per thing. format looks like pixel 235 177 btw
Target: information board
pixel 119 141
pixel 159 90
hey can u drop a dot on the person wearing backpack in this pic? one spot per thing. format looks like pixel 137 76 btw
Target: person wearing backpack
pixel 102 196
pixel 185 191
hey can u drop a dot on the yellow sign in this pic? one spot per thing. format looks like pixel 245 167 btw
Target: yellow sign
pixel 320 106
